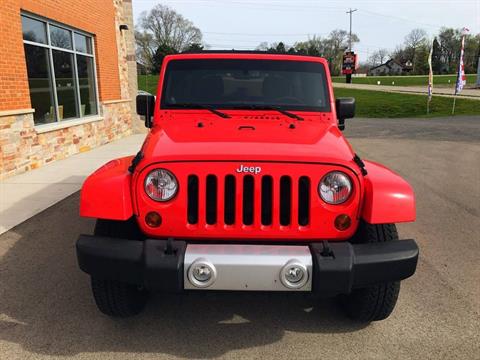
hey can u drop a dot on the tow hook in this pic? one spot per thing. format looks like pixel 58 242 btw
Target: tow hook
pixel 326 251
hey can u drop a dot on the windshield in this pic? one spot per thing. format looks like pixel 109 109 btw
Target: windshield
pixel 238 83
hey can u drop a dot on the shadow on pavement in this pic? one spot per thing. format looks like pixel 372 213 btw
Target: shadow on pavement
pixel 46 306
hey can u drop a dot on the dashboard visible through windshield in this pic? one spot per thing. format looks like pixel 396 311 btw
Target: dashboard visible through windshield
pixel 245 84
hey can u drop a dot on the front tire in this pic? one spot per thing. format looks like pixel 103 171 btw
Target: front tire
pixel 116 298
pixel 377 302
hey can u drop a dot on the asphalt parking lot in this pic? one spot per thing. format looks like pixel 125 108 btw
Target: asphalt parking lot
pixel 46 309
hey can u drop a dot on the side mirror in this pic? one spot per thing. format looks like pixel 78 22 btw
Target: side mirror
pixel 345 110
pixel 146 107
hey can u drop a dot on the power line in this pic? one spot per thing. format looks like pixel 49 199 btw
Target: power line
pixel 399 18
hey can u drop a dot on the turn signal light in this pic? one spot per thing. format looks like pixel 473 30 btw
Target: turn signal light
pixel 153 219
pixel 343 222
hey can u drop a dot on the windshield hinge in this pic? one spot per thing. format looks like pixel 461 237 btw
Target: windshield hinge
pixel 360 164
pixel 135 162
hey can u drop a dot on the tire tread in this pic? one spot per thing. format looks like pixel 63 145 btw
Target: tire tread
pixel 376 302
pixel 116 298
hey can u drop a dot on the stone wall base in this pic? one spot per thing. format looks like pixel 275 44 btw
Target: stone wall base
pixel 23 148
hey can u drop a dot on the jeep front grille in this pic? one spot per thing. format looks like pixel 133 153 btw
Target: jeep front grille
pixel 249 200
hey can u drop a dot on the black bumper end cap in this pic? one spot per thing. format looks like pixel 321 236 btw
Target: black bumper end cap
pixel 353 266
pixel 155 264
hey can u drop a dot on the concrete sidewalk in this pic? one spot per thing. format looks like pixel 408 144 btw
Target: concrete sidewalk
pixel 25 195
pixel 472 94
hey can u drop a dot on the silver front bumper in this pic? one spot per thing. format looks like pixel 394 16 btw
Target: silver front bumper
pixel 247 267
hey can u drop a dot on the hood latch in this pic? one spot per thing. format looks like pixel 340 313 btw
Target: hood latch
pixel 360 164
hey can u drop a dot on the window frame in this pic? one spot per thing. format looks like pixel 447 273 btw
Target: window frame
pixel 164 105
pixel 76 79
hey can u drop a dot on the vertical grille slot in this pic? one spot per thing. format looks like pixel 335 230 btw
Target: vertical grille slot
pixel 211 199
pixel 285 200
pixel 192 200
pixel 248 199
pixel 267 198
pixel 303 201
pixel 229 196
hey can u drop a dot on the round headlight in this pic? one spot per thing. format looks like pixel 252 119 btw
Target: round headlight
pixel 161 185
pixel 335 187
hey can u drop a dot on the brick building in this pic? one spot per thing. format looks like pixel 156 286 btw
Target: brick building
pixel 67 79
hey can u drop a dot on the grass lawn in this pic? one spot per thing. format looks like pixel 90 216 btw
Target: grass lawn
pixel 148 83
pixel 379 104
pixel 421 80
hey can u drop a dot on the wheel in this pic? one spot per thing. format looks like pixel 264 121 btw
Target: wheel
pixel 116 298
pixel 376 302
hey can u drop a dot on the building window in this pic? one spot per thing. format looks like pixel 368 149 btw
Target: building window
pixel 61 71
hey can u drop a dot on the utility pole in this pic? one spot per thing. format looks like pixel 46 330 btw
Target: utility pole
pixel 348 77
pixel 350 37
pixel 478 68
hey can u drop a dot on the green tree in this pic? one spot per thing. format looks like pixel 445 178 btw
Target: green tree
pixel 332 48
pixel 194 47
pixel 472 51
pixel 313 47
pixel 449 40
pixel 160 53
pixel 280 48
pixel 437 65
pixel 421 59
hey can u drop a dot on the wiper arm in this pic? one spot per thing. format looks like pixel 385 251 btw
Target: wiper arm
pixel 287 113
pixel 201 106
pixel 271 107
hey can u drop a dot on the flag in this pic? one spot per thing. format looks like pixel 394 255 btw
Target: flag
pixel 461 78
pixel 430 74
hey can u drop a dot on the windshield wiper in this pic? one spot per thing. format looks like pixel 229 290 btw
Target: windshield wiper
pixel 270 107
pixel 201 106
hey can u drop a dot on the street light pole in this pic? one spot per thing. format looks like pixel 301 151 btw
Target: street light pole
pixel 348 77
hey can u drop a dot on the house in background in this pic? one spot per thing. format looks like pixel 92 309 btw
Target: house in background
pixel 391 67
pixel 407 67
pixel 67 79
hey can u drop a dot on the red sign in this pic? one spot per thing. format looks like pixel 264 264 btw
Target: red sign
pixel 349 63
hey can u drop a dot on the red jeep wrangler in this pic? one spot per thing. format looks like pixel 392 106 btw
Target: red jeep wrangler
pixel 245 182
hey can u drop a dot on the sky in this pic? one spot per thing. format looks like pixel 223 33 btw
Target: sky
pixel 244 24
